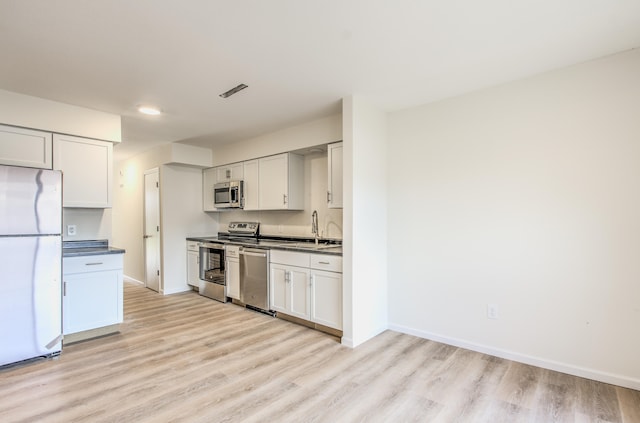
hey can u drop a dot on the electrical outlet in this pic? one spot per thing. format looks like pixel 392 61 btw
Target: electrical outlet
pixel 71 230
pixel 492 311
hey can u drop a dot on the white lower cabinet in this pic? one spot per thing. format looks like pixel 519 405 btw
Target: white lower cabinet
pixel 326 294
pixel 290 290
pixel 308 286
pixel 232 271
pixel 193 264
pixel 92 292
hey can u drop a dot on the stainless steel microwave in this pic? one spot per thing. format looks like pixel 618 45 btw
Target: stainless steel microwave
pixel 228 195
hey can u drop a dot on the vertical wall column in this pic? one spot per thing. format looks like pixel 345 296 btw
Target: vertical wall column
pixel 365 221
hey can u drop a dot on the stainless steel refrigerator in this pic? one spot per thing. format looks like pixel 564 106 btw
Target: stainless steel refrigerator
pixel 30 263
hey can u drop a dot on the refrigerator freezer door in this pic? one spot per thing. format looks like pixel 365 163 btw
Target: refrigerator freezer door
pixel 30 297
pixel 30 201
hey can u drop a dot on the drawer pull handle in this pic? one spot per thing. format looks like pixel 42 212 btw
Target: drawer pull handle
pixel 93 264
pixel 323 262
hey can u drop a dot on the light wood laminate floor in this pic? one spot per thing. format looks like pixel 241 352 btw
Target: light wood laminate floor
pixel 185 358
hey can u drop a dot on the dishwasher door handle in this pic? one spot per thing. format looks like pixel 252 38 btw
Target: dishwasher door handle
pixel 252 253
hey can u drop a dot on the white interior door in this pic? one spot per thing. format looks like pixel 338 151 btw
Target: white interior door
pixel 152 229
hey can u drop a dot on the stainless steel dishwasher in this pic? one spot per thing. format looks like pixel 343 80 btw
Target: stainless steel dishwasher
pixel 254 278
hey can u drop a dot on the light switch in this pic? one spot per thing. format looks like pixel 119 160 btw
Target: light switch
pixel 71 230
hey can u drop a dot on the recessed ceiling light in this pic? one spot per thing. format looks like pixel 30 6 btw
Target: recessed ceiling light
pixel 233 90
pixel 147 110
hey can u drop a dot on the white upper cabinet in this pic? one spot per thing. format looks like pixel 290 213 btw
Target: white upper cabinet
pixel 232 172
pixel 281 182
pixel 270 183
pixel 334 159
pixel 25 147
pixel 251 185
pixel 87 169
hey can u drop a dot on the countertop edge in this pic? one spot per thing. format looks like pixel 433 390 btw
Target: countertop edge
pixel 80 252
pixel 279 247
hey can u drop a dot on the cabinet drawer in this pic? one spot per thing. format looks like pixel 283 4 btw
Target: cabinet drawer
pixel 193 246
pixel 96 263
pixel 290 258
pixel 326 262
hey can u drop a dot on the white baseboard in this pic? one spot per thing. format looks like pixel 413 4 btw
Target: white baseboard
pixel 132 280
pixel 605 377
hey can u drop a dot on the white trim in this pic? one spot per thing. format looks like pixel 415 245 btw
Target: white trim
pixel 605 377
pixel 176 291
pixel 347 342
pixel 132 280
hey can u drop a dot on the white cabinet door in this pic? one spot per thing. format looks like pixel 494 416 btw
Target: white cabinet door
pixel 281 182
pixel 300 293
pixel 193 268
pixel 232 275
pixel 278 288
pixel 208 181
pixel 274 187
pixel 92 299
pixel 326 295
pixel 25 147
pixel 290 291
pixel 334 191
pixel 251 185
pixel 232 172
pixel 87 171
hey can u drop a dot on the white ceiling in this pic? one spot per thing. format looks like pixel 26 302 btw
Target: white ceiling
pixel 298 57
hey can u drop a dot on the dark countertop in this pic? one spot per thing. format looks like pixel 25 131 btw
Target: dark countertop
pixel 304 245
pixel 88 248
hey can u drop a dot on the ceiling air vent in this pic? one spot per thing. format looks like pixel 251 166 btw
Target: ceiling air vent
pixel 233 90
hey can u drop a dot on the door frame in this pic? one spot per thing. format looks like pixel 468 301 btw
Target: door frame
pixel 144 224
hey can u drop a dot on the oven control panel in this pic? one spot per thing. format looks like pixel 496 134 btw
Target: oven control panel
pixel 245 228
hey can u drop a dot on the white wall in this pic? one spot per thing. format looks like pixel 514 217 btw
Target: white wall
pixel 365 221
pixel 90 224
pixel 526 195
pixel 309 134
pixel 181 213
pixel 39 113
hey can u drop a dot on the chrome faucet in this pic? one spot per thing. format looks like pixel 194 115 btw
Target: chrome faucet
pixel 314 225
